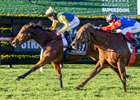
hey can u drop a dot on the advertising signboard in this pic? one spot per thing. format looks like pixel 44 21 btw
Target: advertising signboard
pixel 121 7
pixel 29 47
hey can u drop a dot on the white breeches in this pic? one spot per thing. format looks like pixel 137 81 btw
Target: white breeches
pixel 74 23
pixel 132 29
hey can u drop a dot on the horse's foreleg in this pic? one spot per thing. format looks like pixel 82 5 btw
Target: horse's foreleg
pixel 122 73
pixel 40 63
pixel 96 70
pixel 58 71
pixel 25 74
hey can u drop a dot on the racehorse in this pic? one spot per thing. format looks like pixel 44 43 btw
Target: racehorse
pixel 53 46
pixel 112 50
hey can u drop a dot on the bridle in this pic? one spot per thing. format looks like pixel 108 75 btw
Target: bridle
pixel 32 34
pixel 33 37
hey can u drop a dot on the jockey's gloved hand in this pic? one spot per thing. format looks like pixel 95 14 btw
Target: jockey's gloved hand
pixel 96 27
pixel 58 33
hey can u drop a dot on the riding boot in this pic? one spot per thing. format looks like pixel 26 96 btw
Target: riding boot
pixel 69 43
pixel 69 39
pixel 133 40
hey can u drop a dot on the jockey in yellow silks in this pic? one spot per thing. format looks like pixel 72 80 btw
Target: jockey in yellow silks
pixel 125 25
pixel 69 21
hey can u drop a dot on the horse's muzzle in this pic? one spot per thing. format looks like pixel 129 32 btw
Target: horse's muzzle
pixel 15 44
pixel 75 46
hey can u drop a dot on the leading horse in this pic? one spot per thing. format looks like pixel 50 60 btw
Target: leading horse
pixel 112 50
pixel 53 48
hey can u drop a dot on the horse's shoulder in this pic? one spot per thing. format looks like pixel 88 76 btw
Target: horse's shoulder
pixel 50 31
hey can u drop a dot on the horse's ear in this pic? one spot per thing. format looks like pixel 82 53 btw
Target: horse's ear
pixel 31 24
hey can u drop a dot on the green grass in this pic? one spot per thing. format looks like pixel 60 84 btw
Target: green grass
pixel 45 85
pixel 78 7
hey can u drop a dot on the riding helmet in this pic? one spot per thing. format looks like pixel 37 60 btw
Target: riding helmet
pixel 110 17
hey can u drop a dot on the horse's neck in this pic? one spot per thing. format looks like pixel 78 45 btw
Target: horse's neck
pixel 45 37
pixel 107 40
pixel 99 38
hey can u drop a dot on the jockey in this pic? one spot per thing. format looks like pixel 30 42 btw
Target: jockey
pixel 69 20
pixel 124 25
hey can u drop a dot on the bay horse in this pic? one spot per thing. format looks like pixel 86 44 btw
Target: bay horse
pixel 112 50
pixel 53 45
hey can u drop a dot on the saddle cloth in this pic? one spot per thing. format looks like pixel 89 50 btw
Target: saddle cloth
pixel 80 51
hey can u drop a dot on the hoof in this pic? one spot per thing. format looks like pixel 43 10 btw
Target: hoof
pixel 129 77
pixel 78 87
pixel 17 78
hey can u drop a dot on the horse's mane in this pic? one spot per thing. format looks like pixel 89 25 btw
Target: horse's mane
pixel 34 25
pixel 90 25
pixel 37 25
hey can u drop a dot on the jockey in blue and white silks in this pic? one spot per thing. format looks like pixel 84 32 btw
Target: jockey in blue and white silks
pixel 124 25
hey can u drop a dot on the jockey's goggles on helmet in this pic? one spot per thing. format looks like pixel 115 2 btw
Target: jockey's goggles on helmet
pixel 110 17
pixel 51 14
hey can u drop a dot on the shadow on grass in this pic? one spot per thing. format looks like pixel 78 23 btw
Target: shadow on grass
pixel 133 90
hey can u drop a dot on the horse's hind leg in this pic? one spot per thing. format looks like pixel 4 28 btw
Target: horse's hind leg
pixel 122 73
pixel 96 70
pixel 58 71
pixel 117 71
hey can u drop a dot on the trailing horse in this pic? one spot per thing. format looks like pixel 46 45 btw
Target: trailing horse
pixel 112 50
pixel 53 48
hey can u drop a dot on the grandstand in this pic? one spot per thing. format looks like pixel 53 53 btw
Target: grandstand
pixel 78 7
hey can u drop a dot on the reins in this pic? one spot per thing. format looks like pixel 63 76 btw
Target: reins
pixel 34 37
pixel 37 34
pixel 104 44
